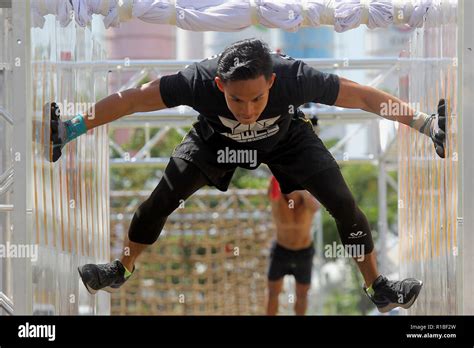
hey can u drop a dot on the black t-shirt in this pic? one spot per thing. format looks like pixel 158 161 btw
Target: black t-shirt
pixel 296 83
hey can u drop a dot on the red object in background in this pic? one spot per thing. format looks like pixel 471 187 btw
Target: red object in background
pixel 229 247
pixel 275 192
pixel 66 56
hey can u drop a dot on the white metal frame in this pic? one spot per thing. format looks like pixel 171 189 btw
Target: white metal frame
pixel 21 207
pixel 465 260
pixel 22 204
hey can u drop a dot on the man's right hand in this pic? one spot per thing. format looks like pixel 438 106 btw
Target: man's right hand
pixel 438 129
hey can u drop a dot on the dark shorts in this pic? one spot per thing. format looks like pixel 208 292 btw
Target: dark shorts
pixel 298 263
pixel 298 156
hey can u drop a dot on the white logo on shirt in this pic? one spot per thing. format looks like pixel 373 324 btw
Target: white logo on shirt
pixel 250 132
pixel 357 234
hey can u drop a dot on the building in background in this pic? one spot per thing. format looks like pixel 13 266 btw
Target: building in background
pixel 137 40
pixel 140 40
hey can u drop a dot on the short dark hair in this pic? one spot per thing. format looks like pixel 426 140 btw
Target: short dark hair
pixel 245 60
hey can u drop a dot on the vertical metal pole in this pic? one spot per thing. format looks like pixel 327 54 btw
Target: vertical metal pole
pixel 21 150
pixel 404 94
pixel 189 44
pixel 318 223
pixel 382 218
pixel 318 226
pixel 382 201
pixel 3 147
pixel 465 260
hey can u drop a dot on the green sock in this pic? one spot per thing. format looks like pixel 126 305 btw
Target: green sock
pixel 127 272
pixel 370 291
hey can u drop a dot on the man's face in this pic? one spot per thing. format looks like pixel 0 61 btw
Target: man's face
pixel 246 99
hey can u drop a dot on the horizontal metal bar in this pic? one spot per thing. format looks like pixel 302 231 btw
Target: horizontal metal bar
pixel 355 159
pixel 6 207
pixel 163 161
pixel 174 65
pixel 182 116
pixel 177 217
pixel 199 193
pixel 119 162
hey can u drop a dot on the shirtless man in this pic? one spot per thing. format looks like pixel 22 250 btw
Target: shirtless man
pixel 293 250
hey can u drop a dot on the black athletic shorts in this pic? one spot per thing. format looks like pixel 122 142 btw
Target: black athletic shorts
pixel 298 263
pixel 298 156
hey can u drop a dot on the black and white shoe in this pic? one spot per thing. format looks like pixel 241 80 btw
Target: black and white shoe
pixel 387 294
pixel 108 277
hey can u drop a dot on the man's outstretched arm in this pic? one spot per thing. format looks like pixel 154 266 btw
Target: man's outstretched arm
pixel 139 99
pixel 143 98
pixel 354 95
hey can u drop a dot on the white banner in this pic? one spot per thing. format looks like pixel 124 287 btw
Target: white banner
pixel 235 15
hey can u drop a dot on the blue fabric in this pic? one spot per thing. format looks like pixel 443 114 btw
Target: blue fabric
pixel 75 127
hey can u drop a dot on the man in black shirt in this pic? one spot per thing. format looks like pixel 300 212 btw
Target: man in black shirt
pixel 248 99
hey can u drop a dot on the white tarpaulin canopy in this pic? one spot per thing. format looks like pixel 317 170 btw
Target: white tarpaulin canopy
pixel 235 15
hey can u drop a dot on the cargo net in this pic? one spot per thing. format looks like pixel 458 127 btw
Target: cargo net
pixel 211 258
